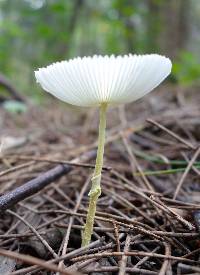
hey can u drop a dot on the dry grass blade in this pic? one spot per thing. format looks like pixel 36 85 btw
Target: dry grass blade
pixel 190 164
pixel 188 144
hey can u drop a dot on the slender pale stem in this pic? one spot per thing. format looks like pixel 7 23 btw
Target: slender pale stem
pixel 95 191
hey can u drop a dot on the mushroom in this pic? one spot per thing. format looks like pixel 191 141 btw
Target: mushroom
pixel 102 81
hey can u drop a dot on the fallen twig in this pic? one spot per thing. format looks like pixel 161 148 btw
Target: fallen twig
pixel 32 260
pixel 33 186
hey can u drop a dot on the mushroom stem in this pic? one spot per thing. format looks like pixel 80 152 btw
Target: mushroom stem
pixel 95 190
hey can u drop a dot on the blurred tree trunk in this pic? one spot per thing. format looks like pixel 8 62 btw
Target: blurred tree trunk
pixel 175 24
pixel 153 24
pixel 129 27
pixel 71 26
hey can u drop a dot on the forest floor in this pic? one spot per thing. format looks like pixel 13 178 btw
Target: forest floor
pixel 148 216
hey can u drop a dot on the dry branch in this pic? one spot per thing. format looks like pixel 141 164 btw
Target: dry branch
pixel 12 90
pixel 33 186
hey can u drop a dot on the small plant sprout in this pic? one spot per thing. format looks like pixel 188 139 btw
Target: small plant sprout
pixel 102 81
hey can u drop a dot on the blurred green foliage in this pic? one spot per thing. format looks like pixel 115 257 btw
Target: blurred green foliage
pixel 187 69
pixel 35 33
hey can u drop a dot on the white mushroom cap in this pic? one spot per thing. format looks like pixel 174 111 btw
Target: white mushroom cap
pixel 90 81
